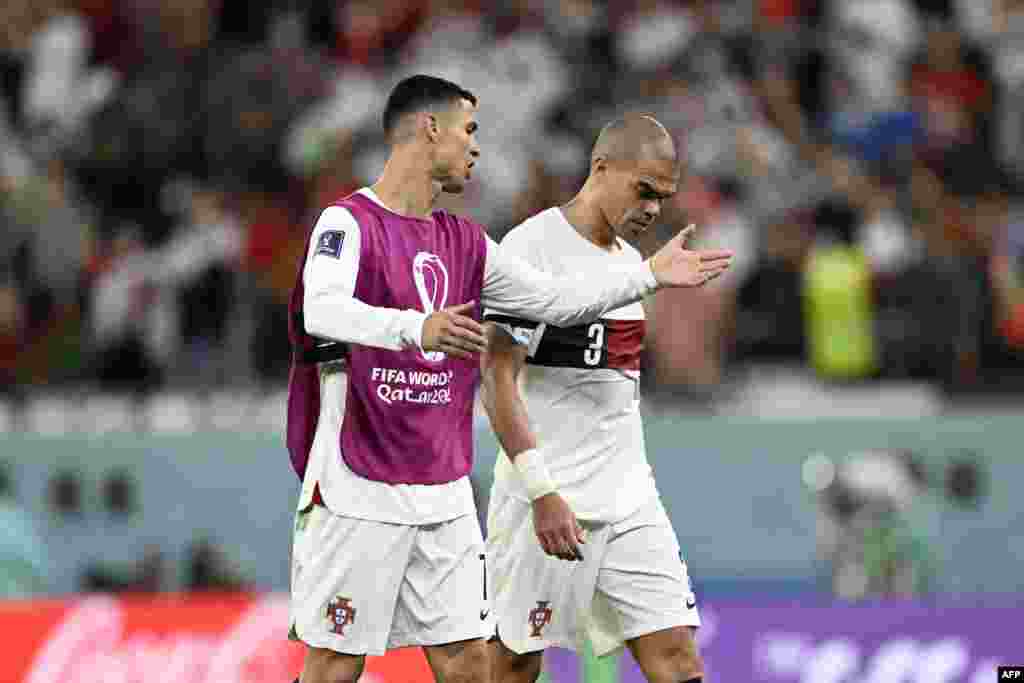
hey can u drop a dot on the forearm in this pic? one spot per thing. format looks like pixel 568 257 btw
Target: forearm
pixel 343 318
pixel 511 424
pixel 508 416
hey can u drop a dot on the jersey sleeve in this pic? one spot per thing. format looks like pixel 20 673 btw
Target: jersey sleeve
pixel 521 330
pixel 330 309
pixel 515 288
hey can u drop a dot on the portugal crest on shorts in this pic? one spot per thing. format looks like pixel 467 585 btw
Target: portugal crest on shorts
pixel 540 616
pixel 340 614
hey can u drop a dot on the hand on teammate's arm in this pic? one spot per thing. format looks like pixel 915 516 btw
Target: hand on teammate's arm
pixel 453 332
pixel 676 266
pixel 557 529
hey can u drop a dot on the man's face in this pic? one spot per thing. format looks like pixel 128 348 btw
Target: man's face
pixel 456 149
pixel 632 193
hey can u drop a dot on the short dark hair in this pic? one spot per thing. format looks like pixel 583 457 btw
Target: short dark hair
pixel 420 92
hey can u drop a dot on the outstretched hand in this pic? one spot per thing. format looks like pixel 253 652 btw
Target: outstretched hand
pixel 453 332
pixel 676 266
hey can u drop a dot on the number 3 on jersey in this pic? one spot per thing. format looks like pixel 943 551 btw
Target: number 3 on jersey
pixel 592 354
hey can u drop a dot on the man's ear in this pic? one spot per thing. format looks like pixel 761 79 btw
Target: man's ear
pixel 433 127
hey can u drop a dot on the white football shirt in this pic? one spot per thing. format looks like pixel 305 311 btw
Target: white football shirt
pixel 581 384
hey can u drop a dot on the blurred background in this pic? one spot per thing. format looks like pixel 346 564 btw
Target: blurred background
pixel 837 419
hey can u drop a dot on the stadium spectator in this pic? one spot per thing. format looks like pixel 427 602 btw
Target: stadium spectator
pixel 207 568
pixel 147 575
pixel 1008 278
pixel 1007 54
pixel 915 328
pixel 769 322
pixel 988 260
pixel 199 267
pixel 11 336
pixel 58 227
pixel 124 324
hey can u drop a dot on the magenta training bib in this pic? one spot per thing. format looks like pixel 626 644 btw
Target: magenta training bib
pixel 408 414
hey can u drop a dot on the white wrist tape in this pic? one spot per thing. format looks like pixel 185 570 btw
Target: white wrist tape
pixel 650 277
pixel 534 472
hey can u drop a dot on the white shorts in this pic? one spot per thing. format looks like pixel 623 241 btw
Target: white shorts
pixel 361 587
pixel 632 581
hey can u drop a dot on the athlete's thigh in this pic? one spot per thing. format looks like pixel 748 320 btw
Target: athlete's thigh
pixel 537 599
pixel 643 578
pixel 442 596
pixel 346 575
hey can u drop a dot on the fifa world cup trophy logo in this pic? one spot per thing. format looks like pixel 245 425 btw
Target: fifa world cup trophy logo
pixel 431 278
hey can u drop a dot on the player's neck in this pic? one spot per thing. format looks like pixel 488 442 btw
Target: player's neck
pixel 406 188
pixel 589 222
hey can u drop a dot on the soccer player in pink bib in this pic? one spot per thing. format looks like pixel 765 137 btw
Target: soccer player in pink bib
pixel 579 545
pixel 387 550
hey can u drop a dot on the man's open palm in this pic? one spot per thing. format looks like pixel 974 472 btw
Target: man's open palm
pixel 676 266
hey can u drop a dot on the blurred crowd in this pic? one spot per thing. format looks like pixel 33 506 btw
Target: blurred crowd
pixel 161 163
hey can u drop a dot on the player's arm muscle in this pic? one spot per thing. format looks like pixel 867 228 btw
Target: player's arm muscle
pixel 500 366
pixel 514 287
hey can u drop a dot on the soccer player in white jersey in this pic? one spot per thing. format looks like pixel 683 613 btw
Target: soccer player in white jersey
pixel 387 550
pixel 578 541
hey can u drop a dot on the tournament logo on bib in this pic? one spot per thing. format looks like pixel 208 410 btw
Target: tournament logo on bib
pixel 431 278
